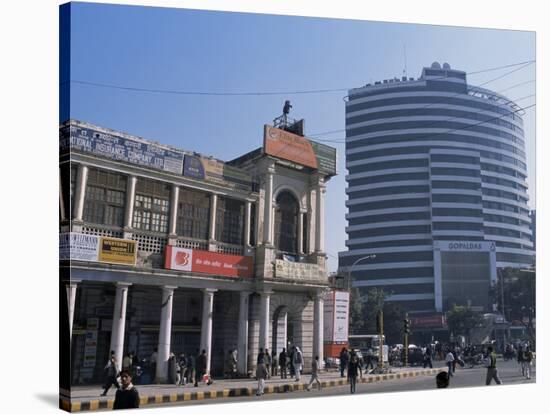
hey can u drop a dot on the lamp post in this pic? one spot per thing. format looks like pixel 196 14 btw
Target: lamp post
pixel 370 256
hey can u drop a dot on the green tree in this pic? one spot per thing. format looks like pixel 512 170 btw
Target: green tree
pixel 356 313
pixel 462 319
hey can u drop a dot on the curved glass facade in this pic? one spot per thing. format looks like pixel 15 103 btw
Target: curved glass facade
pixel 431 161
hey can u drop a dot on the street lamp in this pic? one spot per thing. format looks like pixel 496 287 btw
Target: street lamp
pixel 370 256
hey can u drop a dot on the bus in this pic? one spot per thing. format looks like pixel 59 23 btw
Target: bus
pixel 364 342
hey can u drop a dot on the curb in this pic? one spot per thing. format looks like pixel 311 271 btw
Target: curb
pixel 156 399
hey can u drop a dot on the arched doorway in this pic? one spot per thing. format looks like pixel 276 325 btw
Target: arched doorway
pixel 280 329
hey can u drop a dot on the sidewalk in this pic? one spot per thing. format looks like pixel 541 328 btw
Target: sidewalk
pixel 87 398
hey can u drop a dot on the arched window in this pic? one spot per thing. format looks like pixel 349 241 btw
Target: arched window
pixel 286 223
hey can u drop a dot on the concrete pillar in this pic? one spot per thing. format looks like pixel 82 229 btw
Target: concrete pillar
pixel 268 207
pixel 173 209
pixel 318 342
pixel 130 200
pixel 206 327
pixel 242 341
pixel 119 321
pixel 213 208
pixel 62 213
pixel 300 232
pixel 165 333
pixel 80 191
pixel 264 320
pixel 247 224
pixel 320 217
pixel 71 298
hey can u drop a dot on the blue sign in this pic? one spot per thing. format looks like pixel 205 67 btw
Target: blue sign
pixel 192 167
pixel 122 149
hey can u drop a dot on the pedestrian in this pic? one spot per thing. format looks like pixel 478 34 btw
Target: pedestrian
pixel 353 371
pixel 127 395
pixel 298 361
pixel 449 361
pixel 344 359
pixel 490 363
pixel 261 357
pixel 191 368
pixel 173 369
pixel 232 364
pixel 291 362
pixel 261 373
pixel 201 367
pixel 127 362
pixel 520 360
pixel 111 374
pixel 455 356
pixel 135 366
pixel 442 380
pixel 315 369
pixel 274 363
pixel 428 357
pixel 282 363
pixel 267 357
pixel 527 362
pixel 368 359
pixel 153 365
pixel 182 365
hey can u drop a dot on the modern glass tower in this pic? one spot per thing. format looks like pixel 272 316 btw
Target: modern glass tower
pixel 436 190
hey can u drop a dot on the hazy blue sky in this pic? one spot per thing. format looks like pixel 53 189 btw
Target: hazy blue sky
pixel 185 50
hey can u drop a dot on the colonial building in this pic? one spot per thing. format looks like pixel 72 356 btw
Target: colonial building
pixel 167 249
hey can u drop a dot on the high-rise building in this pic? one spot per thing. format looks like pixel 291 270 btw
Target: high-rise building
pixel 436 190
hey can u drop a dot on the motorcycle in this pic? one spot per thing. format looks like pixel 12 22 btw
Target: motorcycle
pixel 473 360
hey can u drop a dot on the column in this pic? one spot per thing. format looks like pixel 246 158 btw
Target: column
pixel 165 333
pixel 80 191
pixel 300 233
pixel 318 342
pixel 213 208
pixel 319 217
pixel 62 214
pixel 247 224
pixel 130 199
pixel 242 341
pixel 119 321
pixel 264 320
pixel 268 206
pixel 71 298
pixel 206 328
pixel 173 210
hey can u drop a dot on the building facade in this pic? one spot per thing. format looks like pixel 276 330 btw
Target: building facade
pixel 165 249
pixel 436 190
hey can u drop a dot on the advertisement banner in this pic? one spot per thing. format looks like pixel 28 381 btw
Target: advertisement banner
pixel 328 317
pixel 118 251
pixel 119 148
pixel 202 261
pixel 341 316
pixel 326 158
pixel 288 146
pixel 78 246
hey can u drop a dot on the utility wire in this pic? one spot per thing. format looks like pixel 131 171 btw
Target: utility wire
pixel 182 92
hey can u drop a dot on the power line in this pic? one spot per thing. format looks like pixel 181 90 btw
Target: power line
pixel 272 93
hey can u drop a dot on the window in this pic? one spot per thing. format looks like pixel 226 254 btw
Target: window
pixel 286 223
pixel 230 221
pixel 193 215
pixel 151 206
pixel 105 198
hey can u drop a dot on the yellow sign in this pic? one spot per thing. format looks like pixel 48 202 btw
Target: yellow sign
pixel 118 251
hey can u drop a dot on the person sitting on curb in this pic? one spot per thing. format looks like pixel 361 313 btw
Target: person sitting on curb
pixel 127 395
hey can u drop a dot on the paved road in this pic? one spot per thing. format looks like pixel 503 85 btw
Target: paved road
pixel 466 377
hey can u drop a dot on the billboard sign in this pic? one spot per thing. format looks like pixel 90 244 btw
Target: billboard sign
pixel 77 246
pixel 202 261
pixel 326 158
pixel 285 145
pixel 218 172
pixel 134 151
pixel 336 316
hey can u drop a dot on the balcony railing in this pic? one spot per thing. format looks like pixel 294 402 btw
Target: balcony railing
pixel 227 248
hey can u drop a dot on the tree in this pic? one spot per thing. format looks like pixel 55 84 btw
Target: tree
pixel 462 319
pixel 356 313
pixel 519 297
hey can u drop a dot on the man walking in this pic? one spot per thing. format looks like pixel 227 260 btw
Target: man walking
pixel 527 362
pixel 298 361
pixel 491 364
pixel 127 395
pixel 274 363
pixel 353 371
pixel 449 359
pixel 428 357
pixel 111 371
pixel 344 359
pixel 315 368
pixel 369 357
pixel 282 363
pixel 201 367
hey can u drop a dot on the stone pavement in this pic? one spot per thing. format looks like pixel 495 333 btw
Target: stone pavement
pixel 87 398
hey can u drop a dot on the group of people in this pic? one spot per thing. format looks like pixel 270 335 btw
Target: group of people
pixel 525 359
pixel 188 369
pixel 287 363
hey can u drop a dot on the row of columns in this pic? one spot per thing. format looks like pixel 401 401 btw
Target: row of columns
pixel 165 331
pixel 80 194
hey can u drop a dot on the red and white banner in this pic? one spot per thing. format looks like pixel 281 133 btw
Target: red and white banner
pixel 202 261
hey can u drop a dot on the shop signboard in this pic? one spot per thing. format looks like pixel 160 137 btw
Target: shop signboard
pixel 117 251
pixel 217 172
pixel 202 261
pixel 287 146
pixel 78 246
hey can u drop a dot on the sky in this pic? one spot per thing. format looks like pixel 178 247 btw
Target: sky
pixel 220 52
